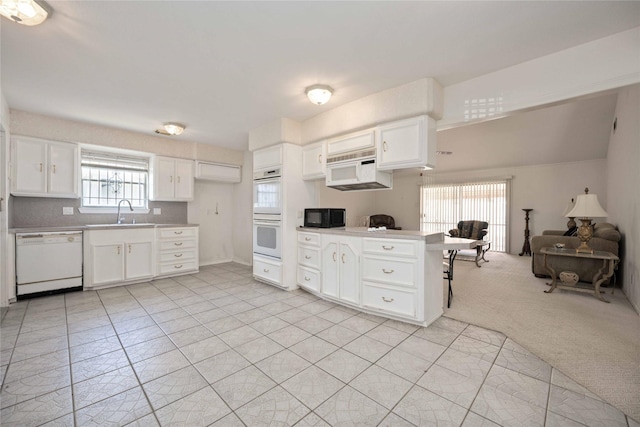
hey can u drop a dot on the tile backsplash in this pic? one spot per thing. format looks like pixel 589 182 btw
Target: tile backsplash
pixel 47 212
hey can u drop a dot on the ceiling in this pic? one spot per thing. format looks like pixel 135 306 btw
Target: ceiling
pixel 225 68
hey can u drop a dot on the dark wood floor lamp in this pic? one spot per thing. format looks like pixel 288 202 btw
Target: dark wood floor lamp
pixel 526 248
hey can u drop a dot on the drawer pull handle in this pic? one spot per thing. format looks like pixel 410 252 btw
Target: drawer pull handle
pixel 54 168
pixel 177 255
pixel 334 257
pixel 387 248
pixel 307 278
pixel 118 249
pixel 307 257
pixel 319 158
pixel 129 248
pixel 387 299
pixel 266 270
pixel 343 261
pixel 178 243
pixel 177 232
pixel 307 239
pixel 385 271
pixel 177 266
pixel 384 146
pixel 40 167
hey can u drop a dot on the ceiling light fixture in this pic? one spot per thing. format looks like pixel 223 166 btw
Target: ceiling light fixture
pixel 171 128
pixel 319 94
pixel 25 12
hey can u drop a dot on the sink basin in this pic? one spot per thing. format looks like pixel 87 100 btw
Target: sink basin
pixel 140 224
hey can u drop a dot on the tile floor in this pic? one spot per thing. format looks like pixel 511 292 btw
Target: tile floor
pixel 218 348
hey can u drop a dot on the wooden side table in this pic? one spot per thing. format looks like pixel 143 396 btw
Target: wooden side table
pixel 609 262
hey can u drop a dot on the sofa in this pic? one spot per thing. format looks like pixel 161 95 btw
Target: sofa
pixel 606 237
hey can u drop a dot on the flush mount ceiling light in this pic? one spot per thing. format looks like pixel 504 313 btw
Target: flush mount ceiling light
pixel 171 128
pixel 319 94
pixel 25 12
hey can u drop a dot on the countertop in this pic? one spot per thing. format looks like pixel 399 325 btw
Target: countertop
pixel 434 241
pixel 94 227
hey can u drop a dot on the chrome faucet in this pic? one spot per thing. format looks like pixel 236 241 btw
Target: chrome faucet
pixel 121 218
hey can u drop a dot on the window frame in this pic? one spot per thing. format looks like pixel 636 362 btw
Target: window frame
pixel 119 162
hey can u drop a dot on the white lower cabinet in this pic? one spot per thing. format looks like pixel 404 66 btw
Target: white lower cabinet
pixel 309 261
pixel 268 269
pixel 118 256
pixel 341 267
pixel 395 278
pixel 177 251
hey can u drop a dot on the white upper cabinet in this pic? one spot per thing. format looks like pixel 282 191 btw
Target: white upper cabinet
pixel 314 161
pixel 44 168
pixel 407 143
pixel 265 158
pixel 171 179
pixel 360 140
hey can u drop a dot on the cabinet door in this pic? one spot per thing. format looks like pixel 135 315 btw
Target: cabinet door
pixel 164 178
pixel 407 143
pixel 330 269
pixel 139 260
pixel 107 263
pixel 63 165
pixel 184 180
pixel 349 272
pixel 30 166
pixel 314 161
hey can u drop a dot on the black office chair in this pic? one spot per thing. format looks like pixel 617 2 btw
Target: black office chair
pixel 448 274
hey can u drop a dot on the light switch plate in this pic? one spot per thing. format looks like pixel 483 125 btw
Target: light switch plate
pixel 157 211
pixel 67 210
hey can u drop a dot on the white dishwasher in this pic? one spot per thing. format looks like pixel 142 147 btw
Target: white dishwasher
pixel 48 262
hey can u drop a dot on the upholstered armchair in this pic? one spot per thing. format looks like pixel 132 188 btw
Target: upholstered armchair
pixel 475 230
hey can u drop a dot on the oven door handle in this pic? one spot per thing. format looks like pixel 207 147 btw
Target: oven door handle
pixel 267 223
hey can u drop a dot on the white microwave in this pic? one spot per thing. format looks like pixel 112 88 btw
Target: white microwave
pixel 357 174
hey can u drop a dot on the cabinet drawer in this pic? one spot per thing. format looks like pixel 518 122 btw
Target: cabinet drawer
pixel 308 278
pixel 309 256
pixel 311 239
pixel 178 256
pixel 390 246
pixel 390 300
pixel 177 244
pixel 177 267
pixel 267 270
pixel 171 233
pixel 396 271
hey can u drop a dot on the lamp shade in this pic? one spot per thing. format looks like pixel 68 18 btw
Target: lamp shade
pixel 569 208
pixel 587 206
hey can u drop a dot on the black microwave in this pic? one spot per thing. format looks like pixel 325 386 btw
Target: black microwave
pixel 325 217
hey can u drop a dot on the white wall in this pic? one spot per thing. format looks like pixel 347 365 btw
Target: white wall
pixel 623 181
pixel 4 192
pixel 544 188
pixel 213 209
pixel 243 217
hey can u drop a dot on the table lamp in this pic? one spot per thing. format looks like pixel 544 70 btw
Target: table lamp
pixel 587 207
pixel 571 223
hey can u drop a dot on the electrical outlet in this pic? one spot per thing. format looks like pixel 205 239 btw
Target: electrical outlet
pixel 157 211
pixel 67 210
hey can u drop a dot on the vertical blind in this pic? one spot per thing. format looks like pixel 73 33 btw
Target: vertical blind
pixel 443 205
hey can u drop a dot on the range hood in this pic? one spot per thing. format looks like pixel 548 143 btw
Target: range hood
pixel 357 171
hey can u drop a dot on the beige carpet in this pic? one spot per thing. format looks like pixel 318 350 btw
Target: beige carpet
pixel 595 343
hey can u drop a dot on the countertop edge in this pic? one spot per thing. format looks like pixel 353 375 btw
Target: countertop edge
pixel 54 229
pixel 429 238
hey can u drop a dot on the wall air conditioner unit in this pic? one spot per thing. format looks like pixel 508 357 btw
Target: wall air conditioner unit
pixel 218 172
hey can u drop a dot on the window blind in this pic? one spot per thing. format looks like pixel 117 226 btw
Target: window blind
pixel 444 205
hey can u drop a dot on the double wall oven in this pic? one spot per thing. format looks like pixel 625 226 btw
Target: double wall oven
pixel 267 213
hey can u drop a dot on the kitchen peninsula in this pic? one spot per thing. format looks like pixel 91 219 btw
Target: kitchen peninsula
pixel 391 273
